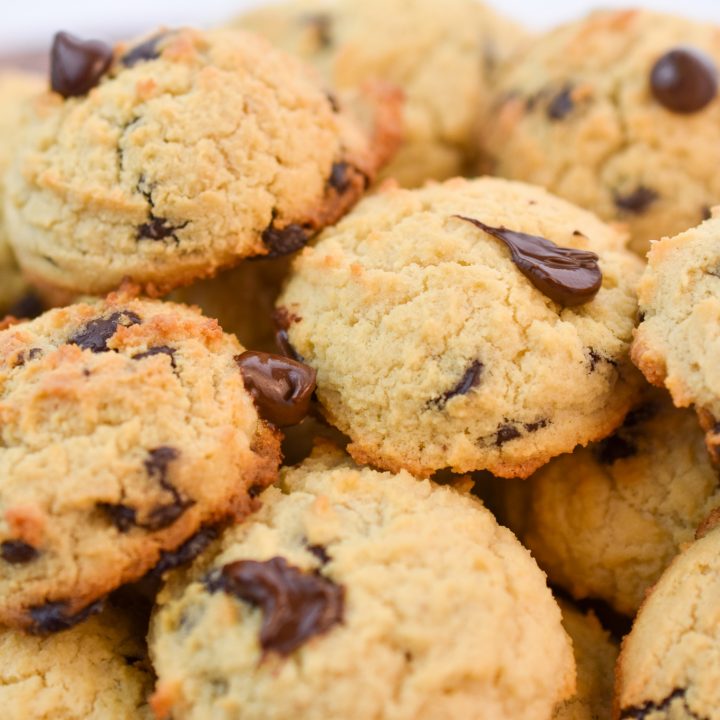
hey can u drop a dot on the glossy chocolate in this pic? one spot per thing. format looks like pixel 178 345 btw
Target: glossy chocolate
pixel 684 80
pixel 76 65
pixel 96 334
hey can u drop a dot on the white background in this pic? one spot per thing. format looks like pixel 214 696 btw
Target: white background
pixel 29 24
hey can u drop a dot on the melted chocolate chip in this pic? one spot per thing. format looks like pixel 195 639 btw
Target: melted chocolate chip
pixel 339 179
pixel 122 516
pixel 53 616
pixel 17 552
pixel 158 228
pixel 281 388
pixel 157 468
pixel 320 552
pixel 505 433
pixel 96 333
pixel 189 550
pixel 29 306
pixel 283 241
pixel 660 708
pixel 76 65
pixel 295 605
pixel 568 276
pixel 283 319
pixel 321 23
pixel 684 80
pixel 561 104
pixel 636 202
pixel 157 350
pixel 143 52
pixel 537 425
pixel 468 381
pixel 613 448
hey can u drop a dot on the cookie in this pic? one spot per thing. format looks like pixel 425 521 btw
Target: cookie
pixel 16 90
pixel 678 337
pixel 128 432
pixel 187 152
pixel 595 655
pixel 355 593
pixel 668 665
pixel 619 113
pixel 440 344
pixel 96 671
pixel 352 41
pixel 606 521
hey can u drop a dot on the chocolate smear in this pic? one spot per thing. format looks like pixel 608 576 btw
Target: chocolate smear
pixel 468 381
pixel 53 616
pixel 296 605
pixel 568 276
pixel 281 388
pixel 76 65
pixel 96 334
pixel 157 467
pixel 684 80
pixel 17 552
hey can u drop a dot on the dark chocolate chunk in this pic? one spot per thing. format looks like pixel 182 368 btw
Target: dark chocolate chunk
pixel 339 179
pixel 157 350
pixel 321 24
pixel 283 241
pixel 189 550
pixel 296 605
pixel 684 80
pixel 566 275
pixel 320 552
pixel 53 616
pixel 158 228
pixel 147 50
pixel 122 516
pixel 29 306
pixel 17 552
pixel 660 708
pixel 636 202
pixel 505 433
pixel 613 448
pixel 76 65
pixel 468 381
pixel 561 104
pixel 157 468
pixel 96 333
pixel 281 388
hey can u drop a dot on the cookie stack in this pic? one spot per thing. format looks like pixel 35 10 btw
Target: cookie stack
pixel 337 404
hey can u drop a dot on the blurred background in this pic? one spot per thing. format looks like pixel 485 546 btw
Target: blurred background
pixel 28 25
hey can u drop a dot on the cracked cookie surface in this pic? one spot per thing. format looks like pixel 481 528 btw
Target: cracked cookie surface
pixel 125 429
pixel 576 113
pixel 444 613
pixel 434 350
pixel 353 41
pixel 667 668
pixel 606 521
pixel 96 671
pixel 193 151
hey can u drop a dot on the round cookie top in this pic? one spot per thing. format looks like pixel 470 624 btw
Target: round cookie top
pixel 16 90
pixel 125 430
pixel 679 335
pixel 619 113
pixel 668 665
pixel 96 671
pixel 595 655
pixel 193 151
pixel 606 521
pixel 434 349
pixel 354 593
pixel 352 41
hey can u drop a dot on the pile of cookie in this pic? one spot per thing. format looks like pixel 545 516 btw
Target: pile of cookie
pixel 326 376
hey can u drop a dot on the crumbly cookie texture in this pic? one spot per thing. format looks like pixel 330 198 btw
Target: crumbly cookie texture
pixel 16 90
pixel 595 656
pixel 96 671
pixel 679 335
pixel 576 113
pixel 193 151
pixel 125 431
pixel 352 41
pixel 432 348
pixel 606 521
pixel 668 664
pixel 444 614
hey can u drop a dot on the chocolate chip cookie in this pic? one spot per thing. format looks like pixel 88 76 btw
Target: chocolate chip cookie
pixel 176 156
pixel 128 428
pixel 359 594
pixel 668 666
pixel 473 325
pixel 619 113
pixel 353 41
pixel 96 671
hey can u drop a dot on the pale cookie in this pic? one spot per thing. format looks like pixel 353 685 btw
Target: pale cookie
pixel 595 654
pixel 606 521
pixel 190 152
pixel 125 430
pixel 679 336
pixel 359 594
pixel 443 56
pixel 619 113
pixel 96 671
pixel 669 665
pixel 435 349
pixel 16 90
